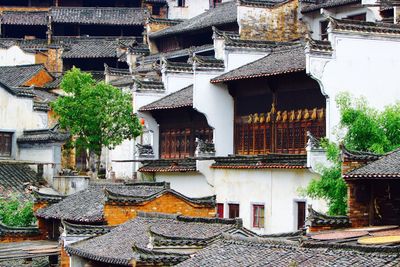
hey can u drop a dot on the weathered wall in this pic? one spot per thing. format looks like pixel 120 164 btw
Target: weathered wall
pixel 360 72
pixel 14 56
pixel 191 9
pixel 118 213
pixel 280 23
pixel 358 211
pixel 54 61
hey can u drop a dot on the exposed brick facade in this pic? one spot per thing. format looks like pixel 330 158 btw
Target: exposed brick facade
pixel 117 213
pixel 40 79
pixel 54 61
pixel 358 211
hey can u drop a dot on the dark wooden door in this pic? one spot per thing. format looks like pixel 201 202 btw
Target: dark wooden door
pixel 233 210
pixel 301 214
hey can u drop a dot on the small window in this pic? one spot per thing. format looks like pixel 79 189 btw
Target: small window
pixel 155 10
pixel 5 144
pixel 181 3
pixel 361 17
pixel 233 210
pixel 324 29
pixel 258 216
pixel 220 210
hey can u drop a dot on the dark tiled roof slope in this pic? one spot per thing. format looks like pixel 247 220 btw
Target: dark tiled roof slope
pixel 165 165
pixel 358 26
pixel 43 136
pixel 99 15
pixel 225 13
pixel 351 155
pixel 240 251
pixel 282 60
pixel 88 205
pixel 13 176
pixel 92 48
pixel 178 99
pixel 261 3
pixel 24 18
pixel 116 246
pixel 317 5
pixel 272 161
pixel 85 230
pixel 387 167
pixel 315 218
pixel 15 76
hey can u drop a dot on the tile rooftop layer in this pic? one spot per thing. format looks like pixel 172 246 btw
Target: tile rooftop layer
pixel 281 60
pixel 16 76
pixel 99 15
pixel 271 161
pixel 15 176
pixel 386 167
pixel 241 251
pixel 225 13
pixel 169 165
pixel 178 99
pixel 24 18
pixel 310 6
pixel 116 246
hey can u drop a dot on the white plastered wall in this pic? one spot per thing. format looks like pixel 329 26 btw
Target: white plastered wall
pixel 14 56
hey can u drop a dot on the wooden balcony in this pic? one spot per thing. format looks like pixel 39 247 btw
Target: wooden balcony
pixel 278 131
pixel 181 142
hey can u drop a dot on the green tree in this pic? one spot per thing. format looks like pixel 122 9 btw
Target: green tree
pixel 96 114
pixel 367 129
pixel 15 211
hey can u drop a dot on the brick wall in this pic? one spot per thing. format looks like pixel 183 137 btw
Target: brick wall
pixel 280 23
pixel 54 61
pixel 351 165
pixel 358 211
pixel 116 213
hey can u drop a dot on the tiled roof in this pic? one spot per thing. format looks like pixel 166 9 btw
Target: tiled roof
pixel 225 13
pixel 72 229
pixel 364 27
pixel 320 46
pixel 261 3
pixel 166 165
pixel 242 251
pixel 99 15
pixel 178 53
pixel 92 48
pixel 148 84
pixel 207 63
pixel 315 218
pixel 178 99
pixel 19 91
pixel 18 231
pixel 15 76
pixel 386 167
pixel 271 161
pixel 281 60
pixel 317 5
pixel 55 84
pixel 52 135
pixel 351 155
pixel 87 205
pixel 14 176
pixel 116 246
pixel 165 21
pixel 24 18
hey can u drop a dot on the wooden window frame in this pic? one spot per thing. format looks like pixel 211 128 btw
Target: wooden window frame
pixel 231 205
pixel 3 148
pixel 258 215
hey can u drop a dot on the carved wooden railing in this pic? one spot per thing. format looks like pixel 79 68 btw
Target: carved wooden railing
pixel 181 143
pixel 278 131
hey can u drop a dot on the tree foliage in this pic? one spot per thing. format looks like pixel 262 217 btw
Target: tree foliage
pixel 97 114
pixel 16 211
pixel 367 129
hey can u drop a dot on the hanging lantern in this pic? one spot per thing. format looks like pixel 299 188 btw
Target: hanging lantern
pixel 142 121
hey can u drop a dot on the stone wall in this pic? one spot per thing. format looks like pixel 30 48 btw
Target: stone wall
pixel 54 62
pixel 117 213
pixel 279 23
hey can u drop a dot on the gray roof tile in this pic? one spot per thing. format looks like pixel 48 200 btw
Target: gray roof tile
pixel 317 5
pixel 14 175
pixel 178 99
pixel 99 15
pixel 387 167
pixel 225 13
pixel 281 60
pixel 15 76
pixel 24 18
